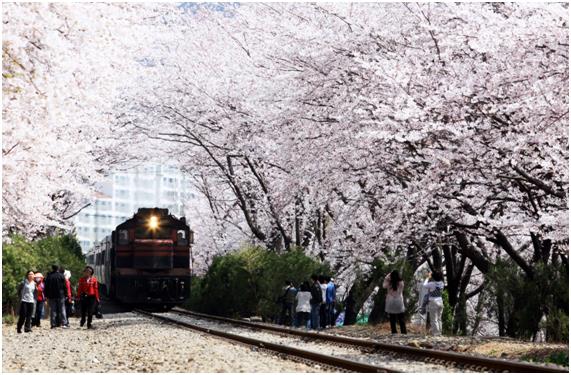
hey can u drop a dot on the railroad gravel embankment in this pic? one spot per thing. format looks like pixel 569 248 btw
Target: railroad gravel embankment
pixel 128 342
pixel 385 360
pixel 494 347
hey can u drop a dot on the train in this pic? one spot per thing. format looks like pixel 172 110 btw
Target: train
pixel 146 260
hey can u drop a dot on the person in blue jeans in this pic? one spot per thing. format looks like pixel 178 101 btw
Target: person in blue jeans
pixel 55 292
pixel 330 297
pixel 316 301
pixel 288 304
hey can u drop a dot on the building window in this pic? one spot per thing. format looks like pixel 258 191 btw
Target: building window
pixel 122 193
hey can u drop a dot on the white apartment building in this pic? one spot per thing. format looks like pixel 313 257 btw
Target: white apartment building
pixel 126 192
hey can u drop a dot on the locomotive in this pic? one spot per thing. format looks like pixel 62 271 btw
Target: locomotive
pixel 146 260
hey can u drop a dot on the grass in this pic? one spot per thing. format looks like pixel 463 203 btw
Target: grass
pixel 8 319
pixel 558 357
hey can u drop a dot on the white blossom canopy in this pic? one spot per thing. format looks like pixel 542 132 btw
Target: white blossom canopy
pixel 351 130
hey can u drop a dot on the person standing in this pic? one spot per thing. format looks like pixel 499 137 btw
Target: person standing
pixel 41 298
pixel 68 295
pixel 394 302
pixel 434 288
pixel 88 291
pixel 303 308
pixel 323 306
pixel 27 296
pixel 331 295
pixel 55 292
pixel 315 302
pixel 288 304
pixel 422 295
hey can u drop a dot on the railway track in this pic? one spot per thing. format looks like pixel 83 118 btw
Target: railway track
pixel 457 360
pixel 332 362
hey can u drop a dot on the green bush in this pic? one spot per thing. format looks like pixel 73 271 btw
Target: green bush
pixel 8 319
pixel 249 282
pixel 20 255
pixel 526 300
pixel 557 326
pixel 447 315
pixel 559 358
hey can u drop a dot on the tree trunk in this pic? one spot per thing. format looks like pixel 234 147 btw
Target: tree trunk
pixel 460 317
pixel 478 316
pixel 378 312
pixel 471 253
pixel 358 294
pixel 501 312
pixel 501 240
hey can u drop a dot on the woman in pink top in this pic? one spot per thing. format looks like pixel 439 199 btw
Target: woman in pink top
pixel 394 302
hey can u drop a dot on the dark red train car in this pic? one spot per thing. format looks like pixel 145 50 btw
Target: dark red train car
pixel 146 260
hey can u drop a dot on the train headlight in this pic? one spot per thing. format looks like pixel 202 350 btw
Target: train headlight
pixel 153 222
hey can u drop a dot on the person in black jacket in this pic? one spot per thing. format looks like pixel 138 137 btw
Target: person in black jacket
pixel 287 315
pixel 316 300
pixel 55 292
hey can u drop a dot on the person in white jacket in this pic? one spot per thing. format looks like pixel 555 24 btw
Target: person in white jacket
pixel 303 307
pixel 434 304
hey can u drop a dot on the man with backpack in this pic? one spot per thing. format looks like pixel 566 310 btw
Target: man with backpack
pixel 288 304
pixel 316 301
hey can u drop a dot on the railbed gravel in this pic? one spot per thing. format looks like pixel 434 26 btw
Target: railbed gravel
pixel 129 342
pixel 387 360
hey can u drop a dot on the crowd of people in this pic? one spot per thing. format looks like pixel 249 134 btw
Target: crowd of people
pixel 312 306
pixel 57 290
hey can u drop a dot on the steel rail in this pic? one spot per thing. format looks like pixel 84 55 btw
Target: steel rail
pixel 491 364
pixel 342 363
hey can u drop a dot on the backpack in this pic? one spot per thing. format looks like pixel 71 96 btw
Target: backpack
pixel 289 296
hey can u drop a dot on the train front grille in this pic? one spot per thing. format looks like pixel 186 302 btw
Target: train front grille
pixel 149 254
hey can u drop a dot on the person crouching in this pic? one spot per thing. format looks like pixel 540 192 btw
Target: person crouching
pixel 88 291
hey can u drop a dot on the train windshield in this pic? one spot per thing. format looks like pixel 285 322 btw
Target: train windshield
pixel 158 233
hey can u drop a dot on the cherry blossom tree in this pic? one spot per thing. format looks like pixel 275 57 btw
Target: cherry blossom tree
pixel 434 133
pixel 62 66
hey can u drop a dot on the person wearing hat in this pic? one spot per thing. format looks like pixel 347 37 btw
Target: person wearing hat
pixel 41 299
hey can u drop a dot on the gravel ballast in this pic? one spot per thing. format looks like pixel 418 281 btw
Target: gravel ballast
pixel 385 360
pixel 128 342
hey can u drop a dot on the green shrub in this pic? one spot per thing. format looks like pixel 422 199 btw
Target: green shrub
pixel 526 300
pixel 557 326
pixel 447 315
pixel 559 358
pixel 21 255
pixel 17 258
pixel 249 282
pixel 8 319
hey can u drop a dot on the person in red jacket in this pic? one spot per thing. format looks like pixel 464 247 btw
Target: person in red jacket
pixel 88 291
pixel 39 278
